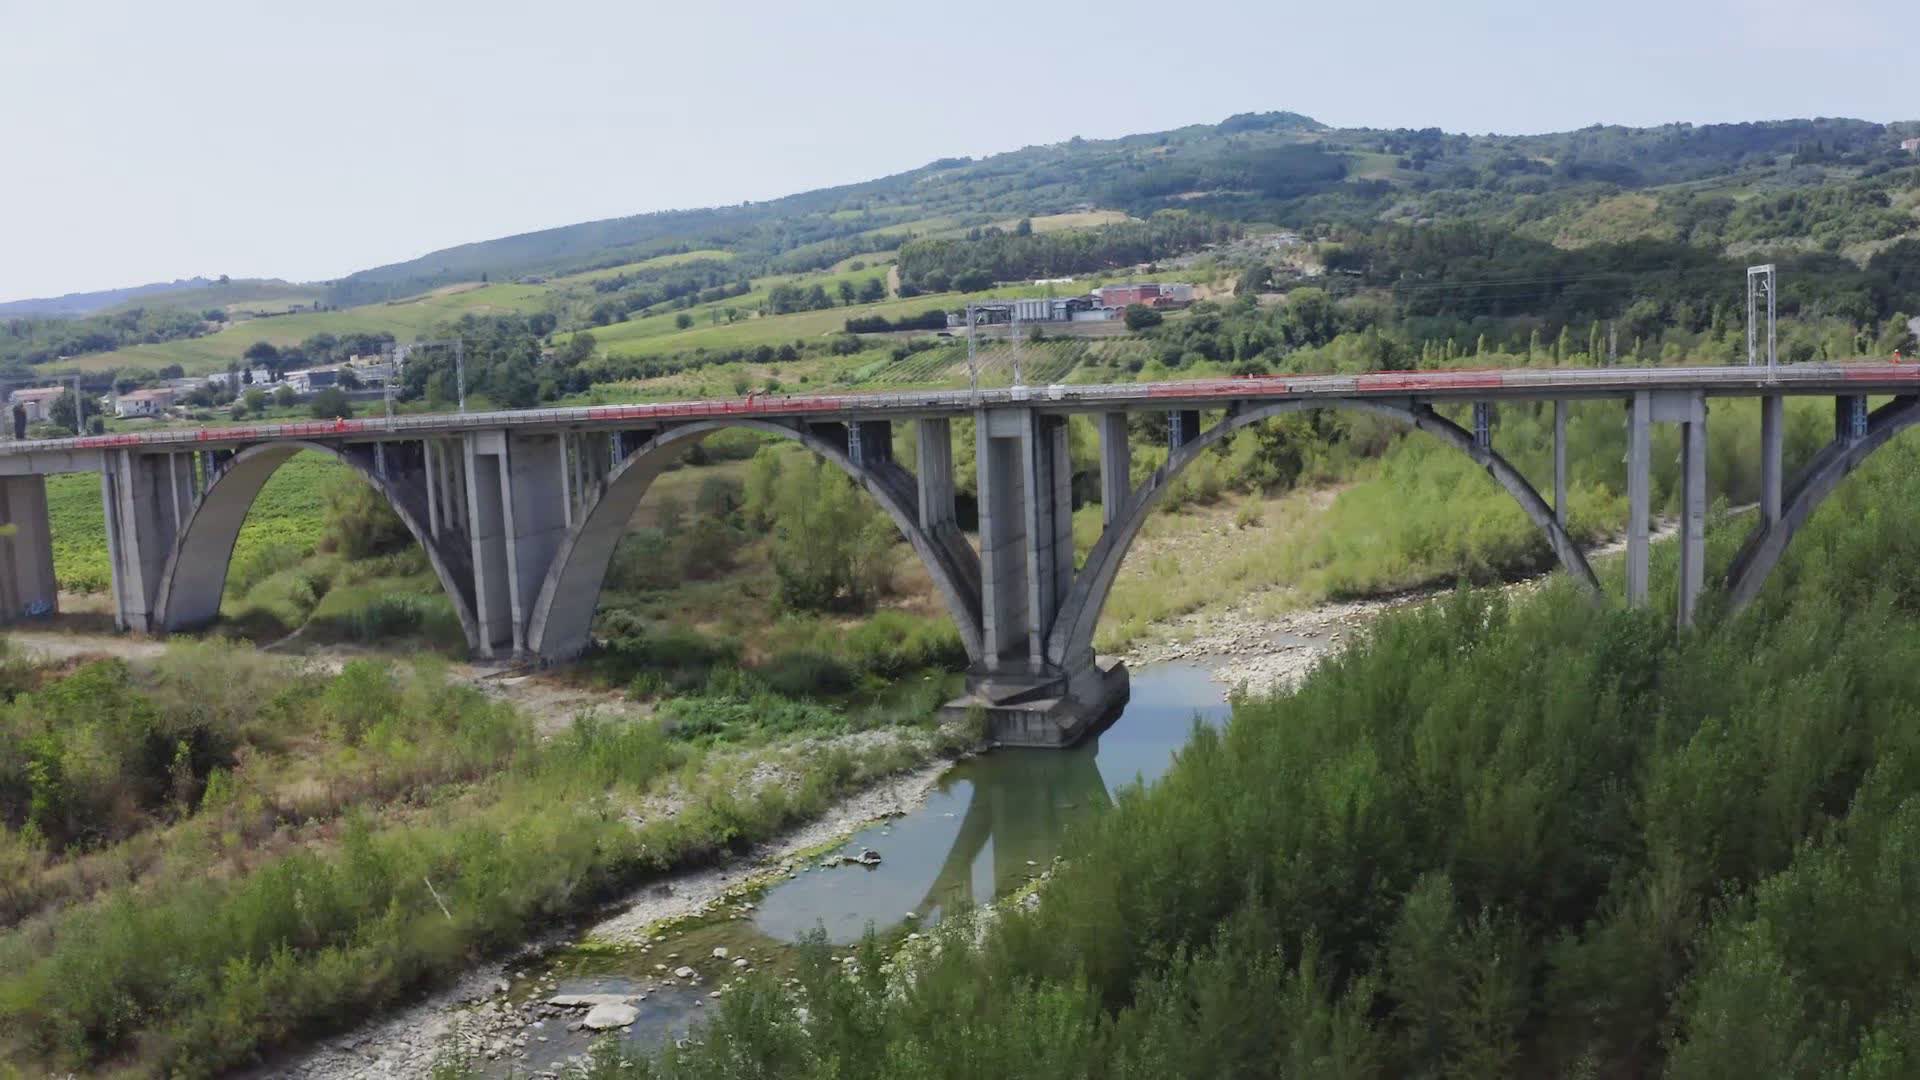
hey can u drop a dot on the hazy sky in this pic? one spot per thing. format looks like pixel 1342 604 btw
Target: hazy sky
pixel 146 141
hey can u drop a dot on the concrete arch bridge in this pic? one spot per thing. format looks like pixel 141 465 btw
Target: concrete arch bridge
pixel 519 512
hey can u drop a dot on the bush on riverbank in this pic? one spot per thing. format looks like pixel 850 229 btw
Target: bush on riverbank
pixel 1494 838
pixel 356 837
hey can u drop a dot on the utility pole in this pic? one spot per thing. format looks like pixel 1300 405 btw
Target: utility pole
pixel 386 385
pixel 1761 281
pixel 1013 340
pixel 973 360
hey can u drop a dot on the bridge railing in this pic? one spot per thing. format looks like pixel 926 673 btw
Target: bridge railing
pixel 1806 378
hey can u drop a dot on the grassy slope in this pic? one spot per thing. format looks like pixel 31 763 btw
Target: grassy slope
pixel 655 263
pixel 404 319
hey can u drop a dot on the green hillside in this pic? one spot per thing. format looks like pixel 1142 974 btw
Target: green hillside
pixel 1833 196
pixel 1275 167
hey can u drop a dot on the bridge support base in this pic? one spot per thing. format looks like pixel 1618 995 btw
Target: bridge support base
pixel 1050 711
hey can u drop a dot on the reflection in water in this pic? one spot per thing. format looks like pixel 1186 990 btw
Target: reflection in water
pixel 994 820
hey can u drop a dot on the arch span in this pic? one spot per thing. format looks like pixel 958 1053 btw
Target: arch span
pixel 1768 543
pixel 563 614
pixel 196 570
pixel 1071 638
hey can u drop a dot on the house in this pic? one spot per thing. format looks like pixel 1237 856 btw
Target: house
pixel 1911 146
pixel 307 380
pixel 261 377
pixel 37 401
pixel 149 402
pixel 1159 294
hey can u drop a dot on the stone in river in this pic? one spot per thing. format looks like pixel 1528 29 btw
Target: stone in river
pixel 606 1017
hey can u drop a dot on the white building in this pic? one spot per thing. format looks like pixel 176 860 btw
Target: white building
pixel 37 401
pixel 150 402
pixel 261 377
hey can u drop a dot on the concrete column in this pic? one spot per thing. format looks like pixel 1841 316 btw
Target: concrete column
pixel 1849 418
pixel 870 442
pixel 1003 539
pixel 1639 494
pixel 1051 544
pixel 137 490
pixel 535 523
pixel 1772 446
pixel 1116 466
pixel 1693 509
pixel 569 477
pixel 453 485
pixel 484 454
pixel 1560 462
pixel 1183 426
pixel 934 448
pixel 1483 425
pixel 27 585
pixel 431 476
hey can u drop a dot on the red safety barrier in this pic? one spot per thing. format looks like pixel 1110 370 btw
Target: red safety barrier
pixel 1430 380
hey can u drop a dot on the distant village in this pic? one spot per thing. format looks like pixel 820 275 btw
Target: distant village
pixel 35 403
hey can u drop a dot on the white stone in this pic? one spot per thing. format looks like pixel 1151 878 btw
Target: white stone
pixel 605 1017
pixel 720 953
pixel 683 973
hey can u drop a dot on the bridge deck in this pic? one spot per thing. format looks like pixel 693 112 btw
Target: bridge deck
pixel 1454 384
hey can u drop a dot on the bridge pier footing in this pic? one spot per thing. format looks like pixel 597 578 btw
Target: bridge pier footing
pixel 1048 710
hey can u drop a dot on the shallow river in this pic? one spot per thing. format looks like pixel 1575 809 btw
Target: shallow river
pixel 991 824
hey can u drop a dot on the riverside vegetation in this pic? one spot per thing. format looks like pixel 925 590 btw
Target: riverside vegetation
pixel 1496 837
pixel 208 858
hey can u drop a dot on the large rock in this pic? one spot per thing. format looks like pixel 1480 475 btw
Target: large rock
pixel 609 1016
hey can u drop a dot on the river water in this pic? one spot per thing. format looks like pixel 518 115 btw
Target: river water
pixel 991 824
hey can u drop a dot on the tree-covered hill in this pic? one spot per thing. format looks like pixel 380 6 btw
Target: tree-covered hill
pixel 1280 168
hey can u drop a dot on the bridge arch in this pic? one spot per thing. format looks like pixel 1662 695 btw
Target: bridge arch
pixel 196 570
pixel 1071 638
pixel 1835 462
pixel 563 614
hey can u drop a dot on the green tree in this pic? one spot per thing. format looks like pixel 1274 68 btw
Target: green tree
pixel 872 290
pixel 330 403
pixel 1141 317
pixel 832 547
pixel 358 522
pixel 682 320
pixel 847 292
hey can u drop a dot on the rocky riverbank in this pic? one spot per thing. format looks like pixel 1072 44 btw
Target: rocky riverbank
pixel 494 1013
